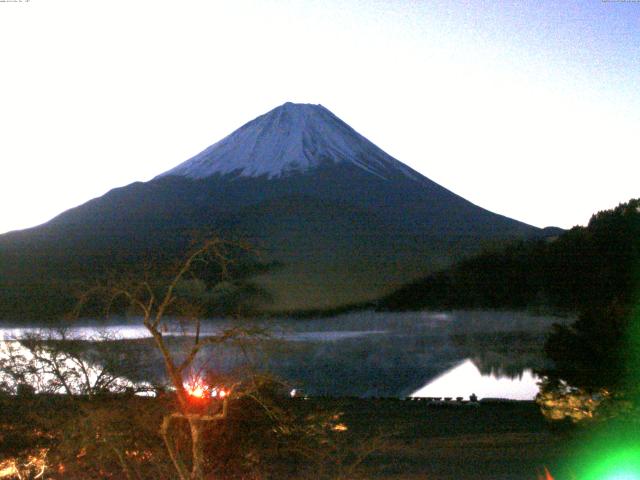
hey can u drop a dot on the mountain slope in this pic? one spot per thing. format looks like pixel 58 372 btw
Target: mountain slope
pixel 344 221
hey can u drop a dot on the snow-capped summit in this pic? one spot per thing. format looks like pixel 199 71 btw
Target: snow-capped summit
pixel 291 138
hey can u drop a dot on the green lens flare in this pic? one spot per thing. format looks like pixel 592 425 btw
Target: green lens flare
pixel 619 465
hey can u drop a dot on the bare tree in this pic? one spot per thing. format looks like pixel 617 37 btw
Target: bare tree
pixel 50 361
pixel 162 298
pixel 257 432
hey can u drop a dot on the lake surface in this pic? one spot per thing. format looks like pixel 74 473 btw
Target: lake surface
pixel 445 354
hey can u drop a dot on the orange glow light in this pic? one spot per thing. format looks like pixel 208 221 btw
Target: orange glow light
pixel 198 389
pixel 546 476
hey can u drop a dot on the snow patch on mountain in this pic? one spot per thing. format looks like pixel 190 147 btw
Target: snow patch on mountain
pixel 292 138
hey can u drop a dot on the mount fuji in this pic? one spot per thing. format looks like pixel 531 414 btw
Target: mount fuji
pixel 345 221
pixel 291 139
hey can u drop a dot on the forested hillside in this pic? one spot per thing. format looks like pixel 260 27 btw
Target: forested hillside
pixel 584 267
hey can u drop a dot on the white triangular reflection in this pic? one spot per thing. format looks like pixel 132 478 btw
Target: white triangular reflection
pixel 465 379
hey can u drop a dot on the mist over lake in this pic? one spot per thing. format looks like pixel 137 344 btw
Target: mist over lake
pixel 360 354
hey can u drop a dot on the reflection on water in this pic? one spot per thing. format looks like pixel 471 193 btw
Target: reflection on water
pixel 465 379
pixel 364 353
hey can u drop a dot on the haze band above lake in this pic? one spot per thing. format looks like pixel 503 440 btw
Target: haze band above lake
pixel 367 354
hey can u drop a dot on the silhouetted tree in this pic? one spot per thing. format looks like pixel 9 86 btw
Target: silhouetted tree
pixel 600 352
pixel 180 293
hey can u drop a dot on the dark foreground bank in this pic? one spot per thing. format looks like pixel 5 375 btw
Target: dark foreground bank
pixel 338 438
pixel 501 440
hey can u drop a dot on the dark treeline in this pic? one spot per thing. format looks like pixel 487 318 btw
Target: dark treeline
pixel 581 269
pixel 43 281
pixel 592 272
